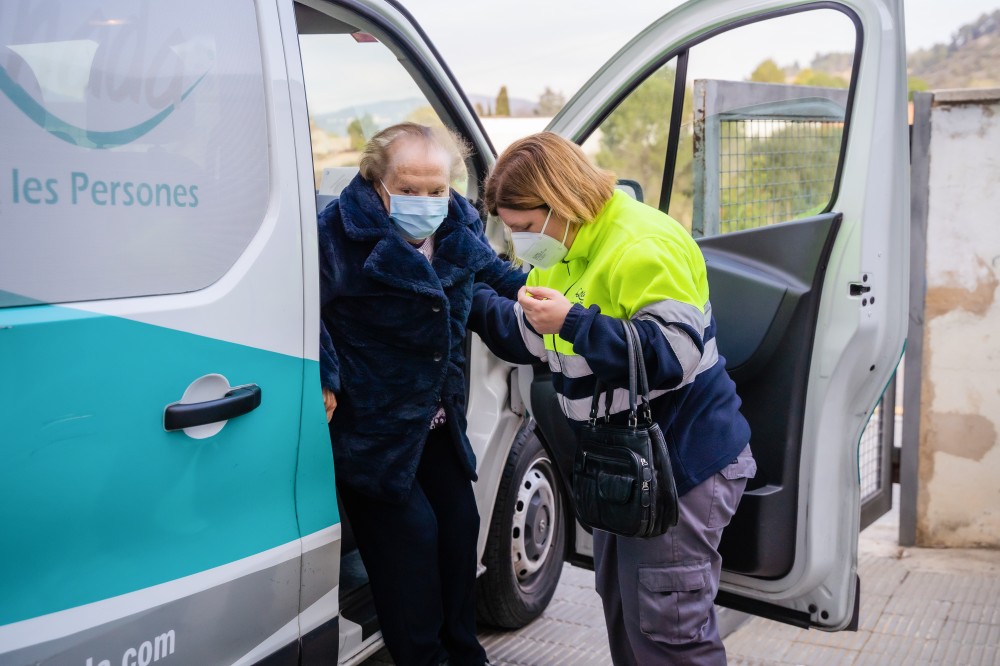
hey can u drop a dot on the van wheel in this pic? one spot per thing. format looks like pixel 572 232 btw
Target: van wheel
pixel 527 539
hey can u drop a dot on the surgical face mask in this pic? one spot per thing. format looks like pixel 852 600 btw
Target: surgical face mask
pixel 416 218
pixel 539 250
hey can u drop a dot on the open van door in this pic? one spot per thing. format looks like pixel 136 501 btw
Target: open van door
pixel 795 181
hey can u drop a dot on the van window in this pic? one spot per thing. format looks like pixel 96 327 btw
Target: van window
pixel 355 86
pixel 759 134
pixel 135 156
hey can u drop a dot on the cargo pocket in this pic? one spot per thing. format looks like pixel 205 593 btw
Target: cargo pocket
pixel 744 467
pixel 675 601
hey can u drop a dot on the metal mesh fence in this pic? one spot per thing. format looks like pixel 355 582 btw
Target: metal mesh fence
pixel 870 455
pixel 775 170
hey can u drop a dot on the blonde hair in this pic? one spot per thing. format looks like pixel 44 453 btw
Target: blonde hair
pixel 546 170
pixel 377 154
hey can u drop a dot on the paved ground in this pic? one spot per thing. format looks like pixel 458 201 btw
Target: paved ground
pixel 918 606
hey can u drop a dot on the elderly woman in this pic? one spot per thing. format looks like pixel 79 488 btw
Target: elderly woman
pixel 599 256
pixel 399 253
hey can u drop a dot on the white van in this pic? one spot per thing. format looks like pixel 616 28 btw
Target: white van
pixel 166 480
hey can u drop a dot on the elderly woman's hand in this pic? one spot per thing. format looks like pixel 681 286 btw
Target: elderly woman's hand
pixel 544 308
pixel 329 402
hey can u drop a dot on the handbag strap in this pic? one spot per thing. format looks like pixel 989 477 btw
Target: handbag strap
pixel 644 407
pixel 634 355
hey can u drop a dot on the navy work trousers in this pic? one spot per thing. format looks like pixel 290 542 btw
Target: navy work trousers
pixel 421 561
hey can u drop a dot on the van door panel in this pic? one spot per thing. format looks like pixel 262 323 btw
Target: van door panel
pixel 765 289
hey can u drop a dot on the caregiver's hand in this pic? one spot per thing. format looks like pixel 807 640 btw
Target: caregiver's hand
pixel 544 308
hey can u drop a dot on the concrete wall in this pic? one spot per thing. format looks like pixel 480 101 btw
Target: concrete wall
pixel 958 493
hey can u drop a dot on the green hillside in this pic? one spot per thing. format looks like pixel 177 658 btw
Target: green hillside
pixel 970 60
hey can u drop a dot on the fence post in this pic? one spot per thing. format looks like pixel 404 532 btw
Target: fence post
pixel 698 167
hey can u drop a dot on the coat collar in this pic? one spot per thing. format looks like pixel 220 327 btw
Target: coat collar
pixel 458 249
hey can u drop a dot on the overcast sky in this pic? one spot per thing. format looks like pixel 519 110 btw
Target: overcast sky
pixel 530 44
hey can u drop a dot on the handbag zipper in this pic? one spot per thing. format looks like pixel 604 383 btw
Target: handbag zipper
pixel 642 460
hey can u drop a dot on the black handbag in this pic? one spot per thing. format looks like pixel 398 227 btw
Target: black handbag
pixel 623 481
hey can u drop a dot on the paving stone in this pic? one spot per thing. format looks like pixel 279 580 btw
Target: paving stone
pixel 872 607
pixel 880 575
pixel 739 661
pixel 749 643
pixel 902 649
pixel 819 655
pixel 841 640
pixel 916 625
pixel 953 654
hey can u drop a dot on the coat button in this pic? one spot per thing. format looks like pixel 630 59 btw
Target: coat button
pixel 435 308
pixel 437 356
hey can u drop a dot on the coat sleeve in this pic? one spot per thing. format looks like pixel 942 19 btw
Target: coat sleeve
pixel 504 277
pixel 658 290
pixel 329 362
pixel 501 324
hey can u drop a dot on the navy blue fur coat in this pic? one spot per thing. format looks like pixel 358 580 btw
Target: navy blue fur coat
pixel 392 336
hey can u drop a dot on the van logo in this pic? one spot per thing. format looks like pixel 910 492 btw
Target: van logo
pixel 80 136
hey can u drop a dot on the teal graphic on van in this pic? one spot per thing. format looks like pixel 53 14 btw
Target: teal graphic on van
pixel 97 499
pixel 79 136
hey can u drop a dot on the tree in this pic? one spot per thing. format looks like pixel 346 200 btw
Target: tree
pixel 768 72
pixel 356 134
pixel 480 111
pixel 550 102
pixel 503 102
pixel 811 77
pixel 634 142
pixel 915 84
pixel 838 63
pixel 424 115
pixel 359 130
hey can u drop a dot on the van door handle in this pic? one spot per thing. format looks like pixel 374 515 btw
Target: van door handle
pixel 238 401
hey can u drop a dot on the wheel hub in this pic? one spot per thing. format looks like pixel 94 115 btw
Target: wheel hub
pixel 534 513
pixel 536 528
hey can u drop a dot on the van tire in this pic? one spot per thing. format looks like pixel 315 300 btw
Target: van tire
pixel 527 528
